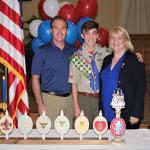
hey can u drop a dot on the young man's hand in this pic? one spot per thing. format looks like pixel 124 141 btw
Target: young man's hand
pixel 139 57
pixel 76 111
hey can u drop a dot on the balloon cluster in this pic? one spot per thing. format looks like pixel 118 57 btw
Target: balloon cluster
pixel 76 15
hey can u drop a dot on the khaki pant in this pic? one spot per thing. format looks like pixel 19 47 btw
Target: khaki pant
pixel 89 105
pixel 54 105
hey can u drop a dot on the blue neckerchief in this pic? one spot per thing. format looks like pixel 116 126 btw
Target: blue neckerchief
pixel 94 79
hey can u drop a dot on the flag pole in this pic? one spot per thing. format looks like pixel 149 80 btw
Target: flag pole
pixel 6 77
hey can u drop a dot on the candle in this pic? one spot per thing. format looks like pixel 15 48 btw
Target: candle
pixel 4 89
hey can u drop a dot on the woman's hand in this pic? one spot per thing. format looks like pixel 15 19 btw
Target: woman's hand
pixel 133 120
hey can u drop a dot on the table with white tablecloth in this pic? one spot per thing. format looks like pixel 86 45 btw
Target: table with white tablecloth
pixel 134 139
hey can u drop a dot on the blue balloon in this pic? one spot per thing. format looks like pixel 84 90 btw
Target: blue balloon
pixel 36 42
pixel 71 36
pixel 79 24
pixel 44 33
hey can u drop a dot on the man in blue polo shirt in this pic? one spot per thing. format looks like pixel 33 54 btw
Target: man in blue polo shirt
pixel 50 71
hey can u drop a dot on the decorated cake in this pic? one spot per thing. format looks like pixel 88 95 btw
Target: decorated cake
pixel 118 99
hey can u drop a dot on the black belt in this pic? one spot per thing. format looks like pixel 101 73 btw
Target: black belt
pixel 89 94
pixel 57 94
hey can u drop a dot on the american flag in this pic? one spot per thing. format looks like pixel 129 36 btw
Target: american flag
pixel 12 56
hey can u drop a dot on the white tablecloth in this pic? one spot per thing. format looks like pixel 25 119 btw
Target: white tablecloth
pixel 135 140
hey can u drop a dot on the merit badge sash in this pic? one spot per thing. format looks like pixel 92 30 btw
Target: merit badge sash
pixel 88 69
pixel 82 64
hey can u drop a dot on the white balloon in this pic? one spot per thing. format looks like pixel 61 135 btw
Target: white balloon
pixel 51 7
pixel 61 4
pixel 33 27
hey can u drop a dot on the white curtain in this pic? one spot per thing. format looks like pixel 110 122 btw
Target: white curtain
pixel 135 16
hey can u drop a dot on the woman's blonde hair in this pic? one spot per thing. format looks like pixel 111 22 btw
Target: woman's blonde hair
pixel 125 35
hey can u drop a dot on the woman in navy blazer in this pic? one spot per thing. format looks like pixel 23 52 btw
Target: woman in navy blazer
pixel 122 70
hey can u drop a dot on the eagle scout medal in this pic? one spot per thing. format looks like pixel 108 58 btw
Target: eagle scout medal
pixel 118 127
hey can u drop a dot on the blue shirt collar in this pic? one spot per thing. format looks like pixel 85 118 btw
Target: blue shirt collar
pixel 54 46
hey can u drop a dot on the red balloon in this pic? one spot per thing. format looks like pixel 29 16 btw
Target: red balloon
pixel 77 14
pixel 68 12
pixel 77 44
pixel 87 8
pixel 103 37
pixel 41 12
